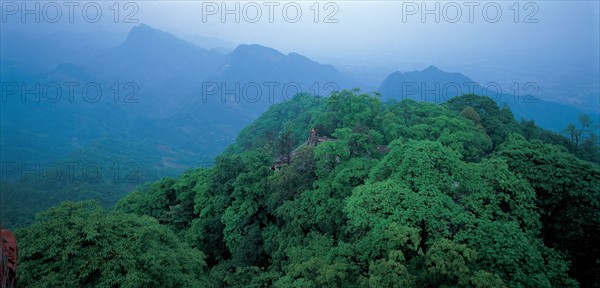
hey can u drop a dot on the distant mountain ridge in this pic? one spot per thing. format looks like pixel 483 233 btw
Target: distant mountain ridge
pixel 168 121
pixel 171 75
pixel 176 122
pixel 434 85
pixel 276 76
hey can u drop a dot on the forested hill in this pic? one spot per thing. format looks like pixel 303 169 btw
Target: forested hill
pixel 402 194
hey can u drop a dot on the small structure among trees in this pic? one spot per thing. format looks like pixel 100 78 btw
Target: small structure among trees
pixel 286 154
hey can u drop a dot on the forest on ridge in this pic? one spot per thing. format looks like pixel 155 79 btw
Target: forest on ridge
pixel 399 194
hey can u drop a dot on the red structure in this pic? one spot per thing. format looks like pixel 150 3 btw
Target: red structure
pixel 8 272
pixel 312 138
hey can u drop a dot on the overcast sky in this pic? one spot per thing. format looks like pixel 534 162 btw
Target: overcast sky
pixel 475 37
pixel 377 28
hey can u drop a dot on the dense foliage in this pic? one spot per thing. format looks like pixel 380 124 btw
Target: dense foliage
pixel 403 194
pixel 79 244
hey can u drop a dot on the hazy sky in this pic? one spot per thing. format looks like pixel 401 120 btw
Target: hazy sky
pixel 483 39
pixel 365 28
pixel 350 27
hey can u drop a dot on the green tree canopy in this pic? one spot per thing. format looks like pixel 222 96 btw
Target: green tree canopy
pixel 79 244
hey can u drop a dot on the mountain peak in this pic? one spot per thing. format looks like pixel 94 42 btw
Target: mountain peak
pixel 394 85
pixel 432 68
pixel 143 26
pixel 144 30
pixel 256 51
pixel 147 35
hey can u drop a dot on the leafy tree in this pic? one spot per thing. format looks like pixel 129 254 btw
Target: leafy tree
pixel 576 134
pixel 228 275
pixel 567 197
pixel 422 200
pixel 464 137
pixel 317 263
pixel 390 272
pixel 169 200
pixel 82 245
pixel 529 129
pixel 293 179
pixel 498 122
pixel 247 214
pixel 350 109
pixel 294 118
pixel 582 139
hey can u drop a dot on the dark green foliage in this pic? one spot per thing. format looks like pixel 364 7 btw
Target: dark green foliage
pixel 79 244
pixel 497 122
pixel 403 194
pixel 583 139
pixel 170 201
pixel 568 193
pixel 292 118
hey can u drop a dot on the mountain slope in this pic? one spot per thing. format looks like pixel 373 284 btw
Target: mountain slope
pixel 254 77
pixel 43 52
pixel 435 85
pixel 157 62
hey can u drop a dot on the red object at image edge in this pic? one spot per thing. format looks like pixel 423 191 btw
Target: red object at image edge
pixel 8 273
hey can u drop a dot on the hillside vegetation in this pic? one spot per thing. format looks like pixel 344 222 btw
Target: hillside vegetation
pixel 403 194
